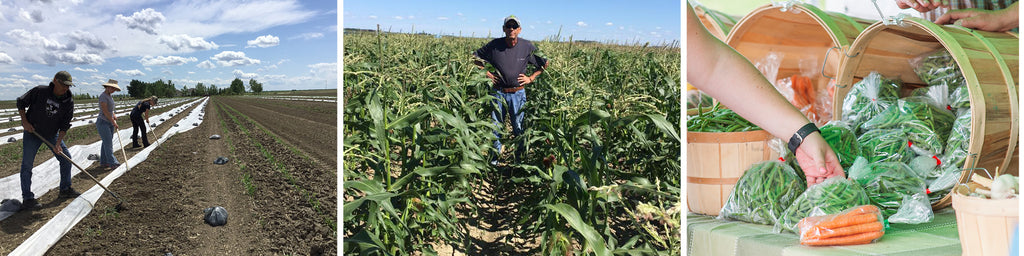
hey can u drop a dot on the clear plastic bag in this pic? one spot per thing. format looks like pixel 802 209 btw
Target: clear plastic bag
pixel 843 141
pixel 915 209
pixel 824 104
pixel 960 98
pixel 831 196
pixel 858 225
pixel 780 147
pixel 956 152
pixel 696 98
pixel 885 145
pixel 886 183
pixel 927 127
pixel 936 95
pixel 868 98
pixel 946 178
pixel 762 193
pixel 769 65
pixel 938 67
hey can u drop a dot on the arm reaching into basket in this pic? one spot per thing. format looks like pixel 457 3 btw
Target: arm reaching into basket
pixel 987 20
pixel 723 73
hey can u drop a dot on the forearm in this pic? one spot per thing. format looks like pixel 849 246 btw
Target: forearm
pixel 60 138
pixel 21 114
pixel 1011 16
pixel 724 74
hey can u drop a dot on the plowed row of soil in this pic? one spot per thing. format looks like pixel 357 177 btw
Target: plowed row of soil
pixel 291 209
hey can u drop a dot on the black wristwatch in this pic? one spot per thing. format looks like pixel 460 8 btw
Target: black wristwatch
pixel 798 137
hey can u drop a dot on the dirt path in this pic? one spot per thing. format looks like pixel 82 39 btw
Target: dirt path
pixel 493 228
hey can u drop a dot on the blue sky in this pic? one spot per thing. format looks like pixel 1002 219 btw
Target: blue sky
pixel 605 21
pixel 284 44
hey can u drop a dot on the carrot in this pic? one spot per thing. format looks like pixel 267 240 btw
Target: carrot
pixel 862 238
pixel 823 233
pixel 859 215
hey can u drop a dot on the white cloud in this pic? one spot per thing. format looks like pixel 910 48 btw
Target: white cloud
pixel 308 36
pixel 145 20
pixel 37 77
pixel 264 42
pixel 399 18
pixel 89 39
pixel 240 74
pixel 149 69
pixel 548 22
pixel 411 17
pixel 166 60
pixel 581 24
pixel 608 24
pixel 373 17
pixel 206 64
pixel 133 72
pixel 324 72
pixel 5 59
pixel 459 14
pixel 167 72
pixel 36 39
pixel 442 18
pixel 483 20
pixel 182 41
pixel 621 27
pixel 34 16
pixel 233 58
pixel 191 72
pixel 658 28
pixel 52 58
pixel 93 70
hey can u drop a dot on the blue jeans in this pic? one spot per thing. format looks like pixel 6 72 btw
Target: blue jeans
pixel 106 130
pixel 30 144
pixel 510 104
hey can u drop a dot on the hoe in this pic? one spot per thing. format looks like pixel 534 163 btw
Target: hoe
pixel 120 204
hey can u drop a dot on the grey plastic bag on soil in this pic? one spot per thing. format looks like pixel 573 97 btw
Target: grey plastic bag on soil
pixel 221 160
pixel 215 216
pixel 10 205
pixel 93 157
pixel 215 137
pixel 11 139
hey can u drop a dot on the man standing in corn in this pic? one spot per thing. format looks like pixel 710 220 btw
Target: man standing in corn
pixel 510 55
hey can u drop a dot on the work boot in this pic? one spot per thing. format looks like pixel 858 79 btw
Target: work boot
pixel 30 204
pixel 69 193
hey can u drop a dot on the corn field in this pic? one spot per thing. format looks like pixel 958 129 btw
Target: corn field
pixel 599 171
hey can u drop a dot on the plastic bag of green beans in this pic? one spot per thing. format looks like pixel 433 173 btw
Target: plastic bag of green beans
pixel 779 146
pixel 938 67
pixel 959 136
pixel 936 95
pixel 941 185
pixel 718 119
pixel 762 193
pixel 927 127
pixel 886 183
pixel 885 145
pixel 959 98
pixel 867 98
pixel 843 141
pixel 829 197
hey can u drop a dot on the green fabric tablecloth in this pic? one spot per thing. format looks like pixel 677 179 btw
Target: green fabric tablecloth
pixel 708 236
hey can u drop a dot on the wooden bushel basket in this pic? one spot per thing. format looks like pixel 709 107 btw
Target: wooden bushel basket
pixel 717 23
pixel 985 226
pixel 716 160
pixel 799 32
pixel 989 64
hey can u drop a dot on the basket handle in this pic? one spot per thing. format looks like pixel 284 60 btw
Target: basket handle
pixel 891 20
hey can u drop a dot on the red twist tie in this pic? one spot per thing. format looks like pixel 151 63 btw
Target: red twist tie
pixel 781 159
pixel 910 143
pixel 927 191
pixel 949 107
pixel 937 161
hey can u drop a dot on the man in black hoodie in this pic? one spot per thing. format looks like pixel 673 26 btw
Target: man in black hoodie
pixel 49 112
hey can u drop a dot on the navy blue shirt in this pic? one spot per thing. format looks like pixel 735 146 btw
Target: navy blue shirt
pixel 510 61
pixel 140 107
pixel 46 112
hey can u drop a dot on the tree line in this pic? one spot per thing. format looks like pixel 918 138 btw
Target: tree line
pixel 139 89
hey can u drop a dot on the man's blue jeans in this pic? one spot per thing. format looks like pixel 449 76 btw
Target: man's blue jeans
pixel 106 130
pixel 510 104
pixel 30 145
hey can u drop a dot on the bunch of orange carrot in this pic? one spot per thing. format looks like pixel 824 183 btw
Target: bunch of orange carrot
pixel 859 225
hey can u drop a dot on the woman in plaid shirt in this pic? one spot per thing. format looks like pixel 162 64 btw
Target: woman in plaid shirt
pixel 988 15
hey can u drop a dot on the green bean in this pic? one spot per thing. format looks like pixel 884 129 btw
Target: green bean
pixel 829 197
pixel 843 142
pixel 886 183
pixel 885 145
pixel 719 120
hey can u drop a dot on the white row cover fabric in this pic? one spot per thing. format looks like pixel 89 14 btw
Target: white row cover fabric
pixel 84 120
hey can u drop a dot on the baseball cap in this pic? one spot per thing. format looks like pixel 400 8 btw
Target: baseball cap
pixel 512 18
pixel 64 77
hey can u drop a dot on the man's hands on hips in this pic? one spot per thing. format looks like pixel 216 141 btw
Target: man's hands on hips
pixel 524 80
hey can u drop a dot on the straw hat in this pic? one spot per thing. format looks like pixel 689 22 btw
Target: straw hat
pixel 112 83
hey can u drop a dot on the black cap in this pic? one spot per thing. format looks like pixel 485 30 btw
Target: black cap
pixel 64 77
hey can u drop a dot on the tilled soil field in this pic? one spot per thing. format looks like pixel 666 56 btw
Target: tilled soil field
pixel 20 226
pixel 281 198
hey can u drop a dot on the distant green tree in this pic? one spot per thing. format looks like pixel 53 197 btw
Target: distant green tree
pixel 136 89
pixel 255 87
pixel 237 86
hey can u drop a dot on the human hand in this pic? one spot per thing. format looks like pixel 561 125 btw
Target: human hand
pixel 921 5
pixel 115 125
pixel 817 159
pixel 27 126
pixel 987 20
pixel 494 79
pixel 524 80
